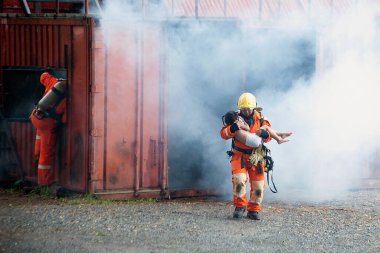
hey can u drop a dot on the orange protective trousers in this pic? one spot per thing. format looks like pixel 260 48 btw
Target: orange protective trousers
pixel 44 149
pixel 242 171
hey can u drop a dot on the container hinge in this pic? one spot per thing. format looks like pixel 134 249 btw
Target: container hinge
pixel 96 88
pixel 97 44
pixel 96 132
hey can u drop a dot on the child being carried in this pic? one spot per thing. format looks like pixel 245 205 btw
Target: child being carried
pixel 251 139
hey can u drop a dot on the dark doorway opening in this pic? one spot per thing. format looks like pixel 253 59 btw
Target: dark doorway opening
pixel 22 90
pixel 202 81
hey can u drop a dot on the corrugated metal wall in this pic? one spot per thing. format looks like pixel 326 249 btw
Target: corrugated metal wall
pixel 252 9
pixel 128 151
pixel 24 134
pixel 246 9
pixel 60 43
pixel 14 6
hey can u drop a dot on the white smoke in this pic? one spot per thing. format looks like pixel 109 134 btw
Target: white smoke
pixel 211 62
pixel 334 116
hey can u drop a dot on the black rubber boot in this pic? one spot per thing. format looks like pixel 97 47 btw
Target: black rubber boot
pixel 54 189
pixel 253 215
pixel 239 212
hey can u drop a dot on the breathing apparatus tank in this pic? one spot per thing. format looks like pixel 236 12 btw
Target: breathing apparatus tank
pixel 45 107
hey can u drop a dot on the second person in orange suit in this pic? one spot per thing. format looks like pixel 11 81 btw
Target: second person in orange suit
pixel 46 132
pixel 242 171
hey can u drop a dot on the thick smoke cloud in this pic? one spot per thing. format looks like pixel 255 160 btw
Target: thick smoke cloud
pixel 332 113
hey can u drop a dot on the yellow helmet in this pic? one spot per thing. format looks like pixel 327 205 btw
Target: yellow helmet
pixel 247 100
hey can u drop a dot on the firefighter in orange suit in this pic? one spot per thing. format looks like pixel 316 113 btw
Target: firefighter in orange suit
pixel 48 114
pixel 242 170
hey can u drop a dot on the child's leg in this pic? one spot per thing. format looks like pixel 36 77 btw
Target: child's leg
pixel 249 139
pixel 284 135
pixel 274 134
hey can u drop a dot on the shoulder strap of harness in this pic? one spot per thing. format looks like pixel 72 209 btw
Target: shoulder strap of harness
pixel 261 119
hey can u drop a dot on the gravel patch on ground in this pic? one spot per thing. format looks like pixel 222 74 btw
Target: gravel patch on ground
pixel 189 225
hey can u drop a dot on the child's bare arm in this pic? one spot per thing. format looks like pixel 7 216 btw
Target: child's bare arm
pixel 242 124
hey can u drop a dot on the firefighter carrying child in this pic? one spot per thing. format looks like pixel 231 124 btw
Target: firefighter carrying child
pixel 248 130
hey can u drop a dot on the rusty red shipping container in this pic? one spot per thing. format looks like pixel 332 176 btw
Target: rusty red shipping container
pixel 102 152
pixel 62 43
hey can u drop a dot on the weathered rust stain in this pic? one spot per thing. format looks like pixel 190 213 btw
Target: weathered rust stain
pixel 258 193
pixel 76 168
pixel 122 148
pixel 239 188
pixel 113 179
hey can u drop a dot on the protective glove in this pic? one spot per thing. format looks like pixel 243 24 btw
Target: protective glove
pixel 234 127
pixel 263 134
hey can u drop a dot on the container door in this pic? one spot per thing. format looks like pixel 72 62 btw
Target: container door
pixel 129 149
